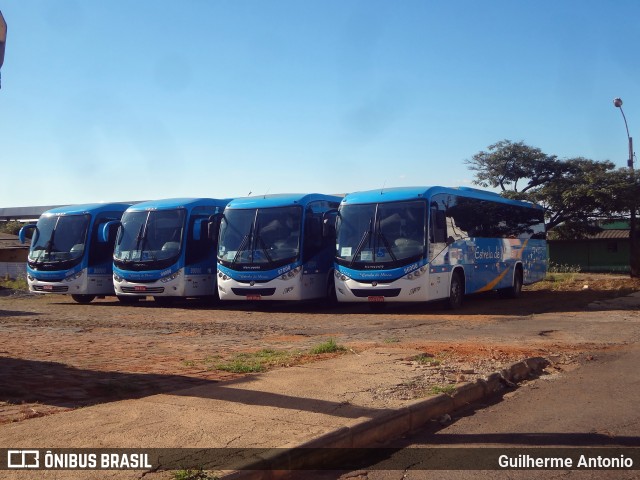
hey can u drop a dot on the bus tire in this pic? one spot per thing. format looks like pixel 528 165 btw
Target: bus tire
pixel 456 291
pixel 332 297
pixel 125 300
pixel 377 306
pixel 515 290
pixel 164 301
pixel 84 299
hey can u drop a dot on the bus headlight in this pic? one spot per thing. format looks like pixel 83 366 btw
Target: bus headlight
pixel 73 277
pixel 117 277
pixel 171 277
pixel 291 273
pixel 341 276
pixel 222 276
pixel 416 273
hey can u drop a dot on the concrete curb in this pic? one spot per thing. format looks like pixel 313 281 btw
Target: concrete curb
pixel 372 432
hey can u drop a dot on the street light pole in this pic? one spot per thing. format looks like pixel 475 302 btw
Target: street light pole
pixel 634 260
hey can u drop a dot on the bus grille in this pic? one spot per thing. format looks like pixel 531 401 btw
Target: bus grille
pixel 263 292
pixel 376 292
pixel 51 288
pixel 148 290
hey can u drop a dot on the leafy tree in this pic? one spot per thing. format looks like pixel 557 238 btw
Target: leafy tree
pixel 574 192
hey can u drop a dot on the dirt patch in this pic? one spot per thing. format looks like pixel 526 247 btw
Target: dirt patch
pixel 56 355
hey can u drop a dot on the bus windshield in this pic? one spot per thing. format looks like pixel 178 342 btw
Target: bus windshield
pixel 262 237
pixel 389 234
pixel 150 239
pixel 60 239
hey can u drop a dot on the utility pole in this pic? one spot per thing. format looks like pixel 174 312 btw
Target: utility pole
pixel 634 252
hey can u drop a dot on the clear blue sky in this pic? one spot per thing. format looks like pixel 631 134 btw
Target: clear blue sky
pixel 129 100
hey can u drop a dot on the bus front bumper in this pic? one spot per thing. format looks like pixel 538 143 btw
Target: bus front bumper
pixel 401 290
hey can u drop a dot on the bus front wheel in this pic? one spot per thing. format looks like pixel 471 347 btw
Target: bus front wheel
pixel 331 297
pixel 127 300
pixel 83 298
pixel 164 301
pixel 456 291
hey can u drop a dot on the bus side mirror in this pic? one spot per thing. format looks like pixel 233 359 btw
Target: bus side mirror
pixel 329 224
pixel 22 234
pixel 107 228
pixel 213 227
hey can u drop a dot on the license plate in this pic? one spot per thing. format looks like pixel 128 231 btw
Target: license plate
pixel 47 287
pixel 254 297
pixel 140 288
pixel 376 299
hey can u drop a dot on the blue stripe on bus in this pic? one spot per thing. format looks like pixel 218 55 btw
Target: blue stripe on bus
pixel 257 275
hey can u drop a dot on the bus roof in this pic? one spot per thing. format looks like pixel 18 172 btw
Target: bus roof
pixel 171 203
pixel 413 193
pixel 281 200
pixel 91 208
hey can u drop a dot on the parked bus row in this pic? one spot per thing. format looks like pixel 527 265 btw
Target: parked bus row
pixel 392 245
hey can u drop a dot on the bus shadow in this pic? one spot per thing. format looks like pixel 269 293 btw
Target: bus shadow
pixel 60 385
pixel 16 313
pixel 489 303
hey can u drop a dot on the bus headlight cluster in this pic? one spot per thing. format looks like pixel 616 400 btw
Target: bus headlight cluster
pixel 117 277
pixel 171 277
pixel 291 273
pixel 222 276
pixel 416 273
pixel 31 278
pixel 341 276
pixel 73 277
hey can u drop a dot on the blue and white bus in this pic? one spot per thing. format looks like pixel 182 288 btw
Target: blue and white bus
pixel 277 247
pixel 166 249
pixel 67 254
pixel 432 243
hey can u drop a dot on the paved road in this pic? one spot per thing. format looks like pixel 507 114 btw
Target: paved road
pixel 593 405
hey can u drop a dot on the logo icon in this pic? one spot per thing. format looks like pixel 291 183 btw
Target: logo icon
pixel 23 459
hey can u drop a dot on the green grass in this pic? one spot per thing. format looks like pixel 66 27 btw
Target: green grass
pixel 425 359
pixel 257 361
pixel 193 474
pixel 266 358
pixel 330 346
pixel 438 389
pixel 18 284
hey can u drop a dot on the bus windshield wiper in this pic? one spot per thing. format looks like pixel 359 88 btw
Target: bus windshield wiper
pixel 263 247
pixel 141 236
pixel 49 245
pixel 363 240
pixel 387 245
pixel 243 244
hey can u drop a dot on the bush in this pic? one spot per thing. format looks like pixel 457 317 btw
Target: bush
pixel 563 268
pixel 11 227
